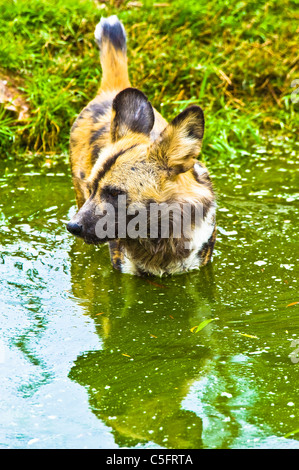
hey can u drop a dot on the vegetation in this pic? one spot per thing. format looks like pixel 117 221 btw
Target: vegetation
pixel 236 59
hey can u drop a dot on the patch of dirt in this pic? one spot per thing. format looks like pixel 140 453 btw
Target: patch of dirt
pixel 12 98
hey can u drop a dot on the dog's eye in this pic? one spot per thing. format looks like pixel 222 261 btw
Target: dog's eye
pixel 114 192
pixel 111 192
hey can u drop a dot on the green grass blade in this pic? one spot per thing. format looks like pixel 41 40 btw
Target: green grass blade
pixel 205 323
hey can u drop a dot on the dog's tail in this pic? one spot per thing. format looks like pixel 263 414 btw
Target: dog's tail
pixel 110 36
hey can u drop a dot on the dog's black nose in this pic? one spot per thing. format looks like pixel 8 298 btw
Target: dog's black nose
pixel 74 228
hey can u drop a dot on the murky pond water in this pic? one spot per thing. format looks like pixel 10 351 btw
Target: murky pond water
pixel 93 358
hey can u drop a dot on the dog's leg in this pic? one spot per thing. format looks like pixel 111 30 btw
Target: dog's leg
pixel 116 254
pixel 206 252
pixel 111 38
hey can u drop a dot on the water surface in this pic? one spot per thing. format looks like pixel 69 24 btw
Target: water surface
pixel 91 358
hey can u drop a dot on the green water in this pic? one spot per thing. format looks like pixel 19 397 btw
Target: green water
pixel 93 358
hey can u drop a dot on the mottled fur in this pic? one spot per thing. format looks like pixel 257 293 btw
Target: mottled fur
pixel 120 144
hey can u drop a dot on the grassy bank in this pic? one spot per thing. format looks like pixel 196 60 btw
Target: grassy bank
pixel 236 59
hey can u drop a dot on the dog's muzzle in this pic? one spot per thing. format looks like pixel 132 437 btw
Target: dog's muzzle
pixel 83 224
pixel 74 228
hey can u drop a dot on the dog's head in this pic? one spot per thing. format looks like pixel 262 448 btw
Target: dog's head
pixel 133 171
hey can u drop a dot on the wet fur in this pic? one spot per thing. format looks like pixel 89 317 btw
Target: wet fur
pixel 119 142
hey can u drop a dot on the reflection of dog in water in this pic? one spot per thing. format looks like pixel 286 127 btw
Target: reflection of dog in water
pixel 122 148
pixel 137 382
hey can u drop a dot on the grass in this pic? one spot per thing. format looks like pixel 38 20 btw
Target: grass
pixel 236 59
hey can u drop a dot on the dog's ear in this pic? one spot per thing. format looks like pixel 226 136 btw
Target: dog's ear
pixel 180 142
pixel 131 112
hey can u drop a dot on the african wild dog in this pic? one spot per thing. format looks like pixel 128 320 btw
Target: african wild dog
pixel 121 148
